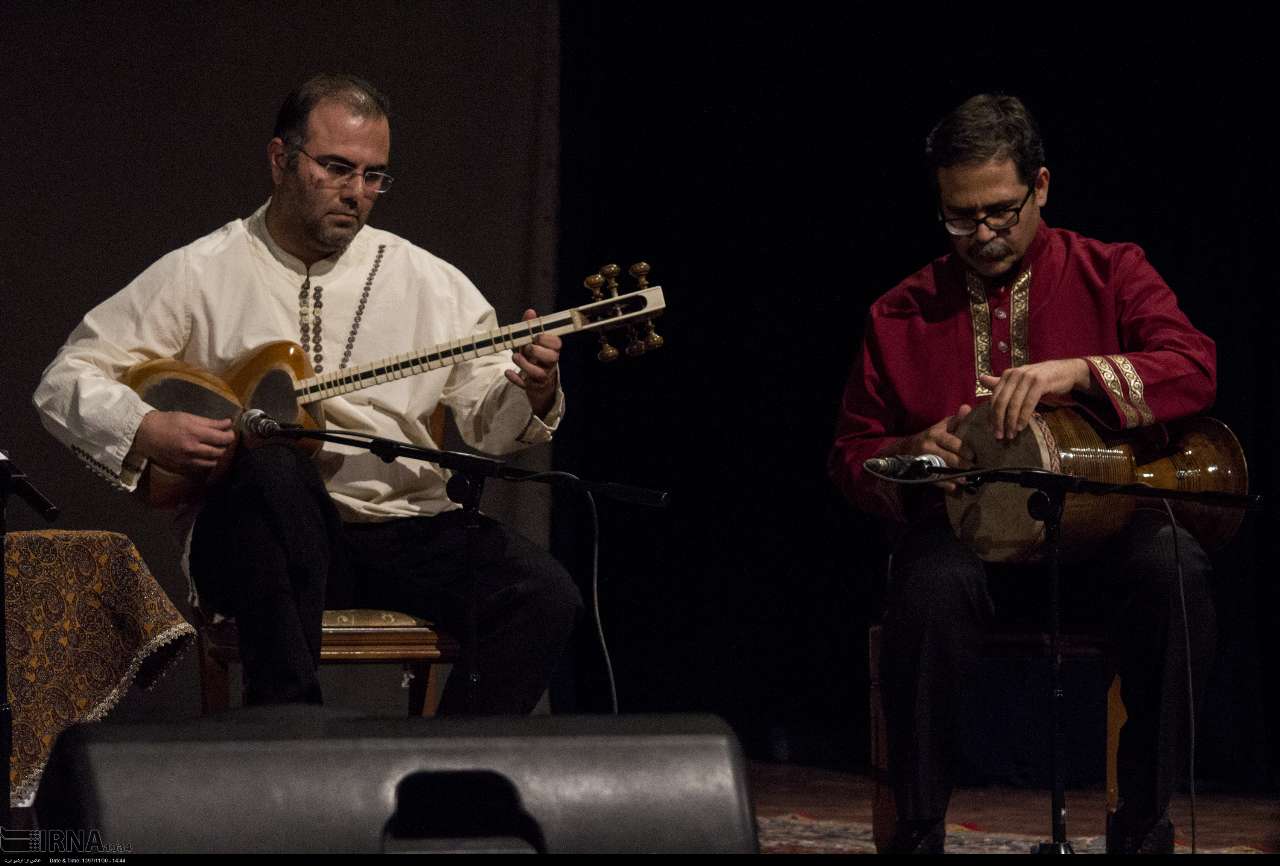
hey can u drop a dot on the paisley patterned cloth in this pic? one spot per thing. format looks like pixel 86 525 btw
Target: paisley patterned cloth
pixel 85 619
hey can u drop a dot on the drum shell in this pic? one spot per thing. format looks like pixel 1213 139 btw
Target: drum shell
pixel 994 521
pixel 1195 454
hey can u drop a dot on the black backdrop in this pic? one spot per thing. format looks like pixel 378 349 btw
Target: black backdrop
pixel 769 167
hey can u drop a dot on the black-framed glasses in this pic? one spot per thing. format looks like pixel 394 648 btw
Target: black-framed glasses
pixel 341 172
pixel 996 220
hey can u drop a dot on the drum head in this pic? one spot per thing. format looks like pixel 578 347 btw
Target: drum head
pixel 994 522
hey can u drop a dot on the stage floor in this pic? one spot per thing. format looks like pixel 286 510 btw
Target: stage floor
pixel 1223 820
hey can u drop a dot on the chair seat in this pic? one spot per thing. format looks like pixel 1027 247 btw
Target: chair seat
pixel 382 635
pixel 1016 640
pixel 354 635
pixel 357 636
pixel 365 618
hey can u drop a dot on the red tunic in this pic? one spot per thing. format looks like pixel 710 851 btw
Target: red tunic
pixel 927 340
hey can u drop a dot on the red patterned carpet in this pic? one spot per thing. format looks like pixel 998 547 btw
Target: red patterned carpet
pixel 801 834
pixel 813 810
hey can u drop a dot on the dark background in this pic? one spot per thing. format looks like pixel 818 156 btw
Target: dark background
pixel 768 166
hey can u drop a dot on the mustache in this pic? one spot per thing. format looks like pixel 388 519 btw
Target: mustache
pixel 993 250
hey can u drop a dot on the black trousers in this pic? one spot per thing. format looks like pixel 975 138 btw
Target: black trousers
pixel 270 550
pixel 941 598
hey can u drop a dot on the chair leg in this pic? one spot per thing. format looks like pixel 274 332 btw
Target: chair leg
pixel 418 674
pixel 424 689
pixel 1116 717
pixel 215 681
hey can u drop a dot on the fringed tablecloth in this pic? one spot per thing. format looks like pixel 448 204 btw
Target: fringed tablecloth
pixel 84 619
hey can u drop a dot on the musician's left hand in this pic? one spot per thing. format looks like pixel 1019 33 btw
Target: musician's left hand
pixel 539 370
pixel 1017 391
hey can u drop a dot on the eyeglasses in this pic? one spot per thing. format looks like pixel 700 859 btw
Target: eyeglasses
pixel 996 220
pixel 341 172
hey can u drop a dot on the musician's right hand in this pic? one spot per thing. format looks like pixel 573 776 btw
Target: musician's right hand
pixel 941 439
pixel 183 443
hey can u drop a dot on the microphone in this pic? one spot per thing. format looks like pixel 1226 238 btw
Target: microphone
pixel 258 423
pixel 906 465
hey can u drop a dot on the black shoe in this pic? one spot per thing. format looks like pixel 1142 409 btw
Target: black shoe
pixel 918 837
pixel 1127 835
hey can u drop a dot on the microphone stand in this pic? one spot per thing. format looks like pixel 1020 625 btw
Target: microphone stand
pixel 1046 504
pixel 465 487
pixel 12 480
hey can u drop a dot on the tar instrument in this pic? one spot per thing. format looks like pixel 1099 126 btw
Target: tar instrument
pixel 1194 454
pixel 278 378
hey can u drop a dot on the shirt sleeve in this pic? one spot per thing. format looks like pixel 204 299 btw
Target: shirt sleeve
pixel 79 398
pixel 866 427
pixel 1167 369
pixel 491 413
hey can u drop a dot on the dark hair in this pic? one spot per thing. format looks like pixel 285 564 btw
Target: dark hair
pixel 361 97
pixel 983 128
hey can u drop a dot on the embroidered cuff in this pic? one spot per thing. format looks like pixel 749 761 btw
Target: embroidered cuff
pixel 116 466
pixel 1132 412
pixel 1134 381
pixel 126 479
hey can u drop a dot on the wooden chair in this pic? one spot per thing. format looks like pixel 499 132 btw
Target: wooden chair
pixel 347 637
pixel 1000 643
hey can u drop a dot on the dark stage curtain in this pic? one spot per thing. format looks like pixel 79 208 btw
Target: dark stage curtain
pixel 769 166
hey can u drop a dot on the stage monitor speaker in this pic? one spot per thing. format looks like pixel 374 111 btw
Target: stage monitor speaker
pixel 304 779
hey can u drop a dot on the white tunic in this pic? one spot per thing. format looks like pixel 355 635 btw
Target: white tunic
pixel 227 294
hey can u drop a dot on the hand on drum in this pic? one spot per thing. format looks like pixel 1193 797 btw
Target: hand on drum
pixel 1017 391
pixel 941 439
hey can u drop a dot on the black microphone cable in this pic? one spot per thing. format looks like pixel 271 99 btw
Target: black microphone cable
pixel 595 579
pixel 1191 703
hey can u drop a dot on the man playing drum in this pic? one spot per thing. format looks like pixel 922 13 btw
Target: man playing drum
pixel 1019 313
